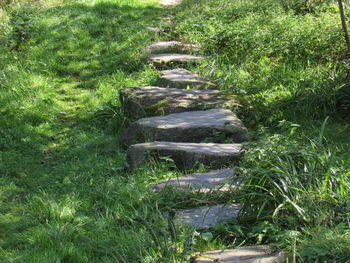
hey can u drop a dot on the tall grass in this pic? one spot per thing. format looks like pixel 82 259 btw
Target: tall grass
pixel 284 62
pixel 287 62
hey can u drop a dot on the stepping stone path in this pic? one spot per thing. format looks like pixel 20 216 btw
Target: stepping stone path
pixel 253 254
pixel 169 46
pixel 218 180
pixel 178 135
pixel 173 59
pixel 219 124
pixel 206 217
pixel 181 79
pixel 186 155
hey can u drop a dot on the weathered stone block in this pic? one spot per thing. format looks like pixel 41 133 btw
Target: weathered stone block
pixel 253 254
pixel 183 79
pixel 168 47
pixel 171 60
pixel 217 180
pixel 170 2
pixel 207 217
pixel 186 155
pixel 150 101
pixel 193 126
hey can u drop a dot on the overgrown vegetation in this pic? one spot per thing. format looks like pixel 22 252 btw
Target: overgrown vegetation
pixel 64 193
pixel 287 60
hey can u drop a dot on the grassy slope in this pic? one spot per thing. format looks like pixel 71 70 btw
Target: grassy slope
pixel 63 191
pixel 63 194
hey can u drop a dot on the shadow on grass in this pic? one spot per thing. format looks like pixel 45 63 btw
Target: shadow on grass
pixel 62 186
pixel 86 42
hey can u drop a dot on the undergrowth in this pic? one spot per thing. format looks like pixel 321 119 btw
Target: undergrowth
pixel 286 61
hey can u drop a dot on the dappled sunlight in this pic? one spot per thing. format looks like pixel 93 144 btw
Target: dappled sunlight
pixel 64 194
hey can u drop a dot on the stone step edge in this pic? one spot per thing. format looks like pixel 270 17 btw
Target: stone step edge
pixel 245 254
pixel 218 158
pixel 170 59
pixel 168 46
pixel 191 126
pixel 182 79
pixel 223 180
pixel 207 217
pixel 147 101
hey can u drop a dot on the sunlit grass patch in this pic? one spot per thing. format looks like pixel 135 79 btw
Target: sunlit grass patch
pixel 64 193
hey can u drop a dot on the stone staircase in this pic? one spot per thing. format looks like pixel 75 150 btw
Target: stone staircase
pixel 176 119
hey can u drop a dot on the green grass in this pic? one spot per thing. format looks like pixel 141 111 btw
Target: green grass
pixel 286 61
pixel 64 193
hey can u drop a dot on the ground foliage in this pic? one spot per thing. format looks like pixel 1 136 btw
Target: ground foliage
pixel 287 61
pixel 64 193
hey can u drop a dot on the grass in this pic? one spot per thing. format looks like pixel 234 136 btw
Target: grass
pixel 287 63
pixel 64 193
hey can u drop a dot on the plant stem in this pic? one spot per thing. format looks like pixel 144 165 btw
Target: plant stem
pixel 343 21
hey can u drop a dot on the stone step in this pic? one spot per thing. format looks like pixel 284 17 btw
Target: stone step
pixel 193 126
pixel 168 19
pixel 173 59
pixel 154 29
pixel 186 155
pixel 207 217
pixel 253 254
pixel 169 46
pixel 170 2
pixel 150 101
pixel 217 180
pixel 182 79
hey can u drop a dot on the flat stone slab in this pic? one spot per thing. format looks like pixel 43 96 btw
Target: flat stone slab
pixel 181 79
pixel 148 101
pixel 172 59
pixel 193 126
pixel 170 2
pixel 253 254
pixel 207 217
pixel 186 155
pixel 217 180
pixel 154 29
pixel 169 46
